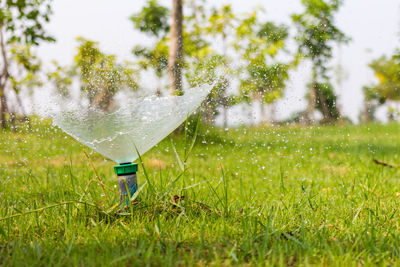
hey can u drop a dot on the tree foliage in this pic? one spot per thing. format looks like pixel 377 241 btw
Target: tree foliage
pixel 156 57
pixel 259 44
pixel 387 87
pixel 205 63
pixel 152 19
pixel 266 78
pixel 265 82
pixel 61 79
pixel 317 33
pixel 208 35
pixel 101 76
pixel 387 72
pixel 25 76
pixel 24 20
pixel 21 27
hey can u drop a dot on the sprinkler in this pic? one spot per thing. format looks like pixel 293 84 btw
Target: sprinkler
pixel 134 127
pixel 127 180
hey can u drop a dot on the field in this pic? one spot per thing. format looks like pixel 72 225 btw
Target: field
pixel 258 196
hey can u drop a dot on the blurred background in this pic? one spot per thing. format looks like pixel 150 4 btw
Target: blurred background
pixel 306 62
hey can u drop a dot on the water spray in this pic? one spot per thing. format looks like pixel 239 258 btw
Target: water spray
pixel 127 180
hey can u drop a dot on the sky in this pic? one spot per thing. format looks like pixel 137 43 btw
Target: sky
pixel 373 25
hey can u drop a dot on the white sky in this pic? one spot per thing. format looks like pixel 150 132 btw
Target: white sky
pixel 373 25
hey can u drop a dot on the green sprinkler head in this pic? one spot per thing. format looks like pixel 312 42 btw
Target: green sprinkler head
pixel 127 180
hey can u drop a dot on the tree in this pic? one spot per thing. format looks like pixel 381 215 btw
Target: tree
pixel 203 69
pixel 25 76
pixel 61 79
pixel 265 83
pixel 100 75
pixel 265 78
pixel 326 103
pixel 175 57
pixel 220 26
pixel 387 71
pixel 198 61
pixel 153 21
pixel 155 58
pixel 21 23
pixel 205 63
pixel 316 35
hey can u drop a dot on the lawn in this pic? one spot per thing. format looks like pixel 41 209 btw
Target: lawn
pixel 258 196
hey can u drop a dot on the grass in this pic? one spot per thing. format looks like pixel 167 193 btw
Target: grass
pixel 258 196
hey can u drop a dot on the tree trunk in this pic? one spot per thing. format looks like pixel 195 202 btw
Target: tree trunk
pixel 263 119
pixel 339 108
pixel 225 116
pixel 4 75
pixel 104 100
pixel 327 117
pixel 391 114
pixel 175 49
pixel 310 117
pixel 159 86
pixel 3 109
pixel 272 111
pixel 311 103
pixel 250 113
pixel 368 112
pixel 208 114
